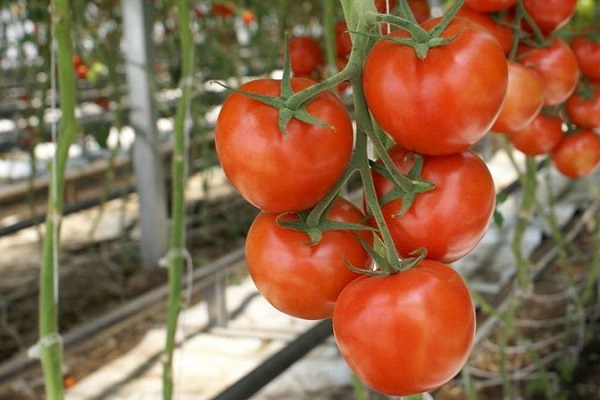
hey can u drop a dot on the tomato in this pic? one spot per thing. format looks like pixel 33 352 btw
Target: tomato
pixel 490 5
pixel 524 98
pixel 450 220
pixel 550 15
pixel 557 66
pixel 412 99
pixel 277 172
pixel 302 279
pixel 406 333
pixel 583 111
pixel 420 9
pixel 81 71
pixel 342 39
pixel 587 52
pixel 248 17
pixel 223 9
pixel 502 33
pixel 384 5
pixel 306 55
pixel 538 137
pixel 577 155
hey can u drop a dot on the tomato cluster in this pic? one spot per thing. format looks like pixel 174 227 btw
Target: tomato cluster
pixel 553 98
pixel 431 88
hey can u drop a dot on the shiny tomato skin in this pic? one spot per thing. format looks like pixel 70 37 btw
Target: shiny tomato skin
pixel 277 172
pixel 587 52
pixel 557 66
pixel 524 98
pixel 577 155
pixel 539 137
pixel 306 55
pixel 550 15
pixel 490 5
pixel 412 99
pixel 502 33
pixel 301 279
pixel 450 220
pixel 406 333
pixel 584 111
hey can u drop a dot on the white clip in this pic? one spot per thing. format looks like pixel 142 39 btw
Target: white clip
pixel 44 342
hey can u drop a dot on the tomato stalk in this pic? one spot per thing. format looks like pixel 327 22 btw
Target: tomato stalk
pixel 178 170
pixel 50 344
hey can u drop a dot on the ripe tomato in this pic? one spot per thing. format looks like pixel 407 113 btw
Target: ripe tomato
pixel 277 172
pixel 557 66
pixel 584 112
pixel 420 9
pixel 81 71
pixel 550 15
pixel 412 99
pixel 502 33
pixel 577 155
pixel 450 220
pixel 301 279
pixel 408 332
pixel 343 41
pixel 538 137
pixel 587 52
pixel 306 55
pixel 490 5
pixel 524 98
pixel 384 5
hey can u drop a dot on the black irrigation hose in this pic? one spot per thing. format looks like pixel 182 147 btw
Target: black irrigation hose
pixel 273 366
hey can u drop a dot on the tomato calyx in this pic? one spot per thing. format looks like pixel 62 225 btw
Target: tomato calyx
pixel 420 39
pixel 384 267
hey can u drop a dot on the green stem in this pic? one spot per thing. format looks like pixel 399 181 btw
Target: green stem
pixel 177 242
pixel 330 46
pixel 50 350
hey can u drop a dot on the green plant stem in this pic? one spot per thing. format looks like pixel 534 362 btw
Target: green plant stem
pixel 177 242
pixel 330 45
pixel 50 346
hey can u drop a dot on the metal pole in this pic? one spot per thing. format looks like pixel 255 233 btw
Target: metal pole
pixel 147 162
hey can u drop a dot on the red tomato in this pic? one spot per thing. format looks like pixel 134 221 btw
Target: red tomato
pixel 305 55
pixel 81 71
pixel 502 33
pixel 450 220
pixel 408 332
pixel 301 279
pixel 524 98
pixel 342 39
pixel 420 9
pixel 223 10
pixel 490 5
pixel 538 137
pixel 557 66
pixel 413 99
pixel 577 155
pixel 587 52
pixel 550 15
pixel 583 111
pixel 385 5
pixel 277 172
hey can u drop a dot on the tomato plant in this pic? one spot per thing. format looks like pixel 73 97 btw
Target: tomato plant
pixel 577 155
pixel 408 332
pixel 550 15
pixel 277 171
pixel 306 55
pixel 448 221
pixel 587 52
pixel 524 98
pixel 557 66
pixel 490 5
pixel 538 137
pixel 411 98
pixel 583 109
pixel 300 278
